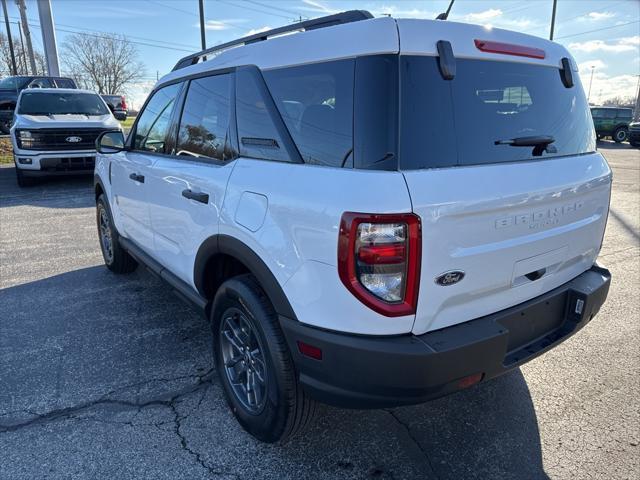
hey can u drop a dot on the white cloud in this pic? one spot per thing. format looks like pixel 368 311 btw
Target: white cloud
pixel 394 11
pixel 596 64
pixel 481 17
pixel 605 87
pixel 626 44
pixel 219 25
pixel 253 31
pixel 314 6
pixel 494 17
pixel 596 16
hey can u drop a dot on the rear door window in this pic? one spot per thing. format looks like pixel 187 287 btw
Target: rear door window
pixel 204 125
pixel 40 83
pixel 316 104
pixel 155 119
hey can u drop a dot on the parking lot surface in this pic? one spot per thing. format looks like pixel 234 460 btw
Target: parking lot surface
pixel 105 376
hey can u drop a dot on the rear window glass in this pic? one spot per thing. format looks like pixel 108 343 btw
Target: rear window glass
pixel 491 102
pixel 316 104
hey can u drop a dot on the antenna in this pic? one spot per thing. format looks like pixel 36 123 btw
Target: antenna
pixel 445 15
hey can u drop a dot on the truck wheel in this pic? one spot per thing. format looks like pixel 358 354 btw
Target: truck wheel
pixel 254 363
pixel 620 135
pixel 116 258
pixel 22 180
pixel 5 126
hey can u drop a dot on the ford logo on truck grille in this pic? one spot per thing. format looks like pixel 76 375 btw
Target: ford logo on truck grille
pixel 73 139
pixel 449 278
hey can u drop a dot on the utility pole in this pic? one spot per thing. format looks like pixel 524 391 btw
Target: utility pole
pixel 25 26
pixel 590 83
pixel 24 53
pixel 636 113
pixel 49 37
pixel 6 22
pixel 553 19
pixel 203 39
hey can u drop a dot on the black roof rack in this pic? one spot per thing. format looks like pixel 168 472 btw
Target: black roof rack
pixel 328 21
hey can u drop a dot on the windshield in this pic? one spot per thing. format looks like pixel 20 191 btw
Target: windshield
pixel 61 104
pixel 12 83
pixel 474 118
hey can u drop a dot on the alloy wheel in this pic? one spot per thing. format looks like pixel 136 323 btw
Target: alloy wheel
pixel 244 362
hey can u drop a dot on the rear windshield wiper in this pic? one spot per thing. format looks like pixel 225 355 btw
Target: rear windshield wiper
pixel 540 143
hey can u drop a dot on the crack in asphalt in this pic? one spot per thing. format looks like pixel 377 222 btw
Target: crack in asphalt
pixel 415 440
pixel 202 384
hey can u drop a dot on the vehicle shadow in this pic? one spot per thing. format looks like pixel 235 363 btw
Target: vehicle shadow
pixel 611 145
pixel 53 192
pixel 88 334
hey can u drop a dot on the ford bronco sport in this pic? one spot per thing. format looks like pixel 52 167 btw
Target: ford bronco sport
pixel 371 212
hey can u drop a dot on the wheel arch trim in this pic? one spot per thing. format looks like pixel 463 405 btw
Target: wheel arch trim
pixel 225 244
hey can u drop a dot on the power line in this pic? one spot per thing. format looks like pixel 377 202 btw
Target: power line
pixel 280 9
pixel 230 25
pixel 33 22
pixel 598 29
pixel 102 34
pixel 259 11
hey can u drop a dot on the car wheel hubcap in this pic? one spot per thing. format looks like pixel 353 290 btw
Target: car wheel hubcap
pixel 105 235
pixel 621 135
pixel 243 360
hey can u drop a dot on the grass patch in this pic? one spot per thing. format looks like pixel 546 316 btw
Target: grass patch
pixel 6 151
pixel 128 123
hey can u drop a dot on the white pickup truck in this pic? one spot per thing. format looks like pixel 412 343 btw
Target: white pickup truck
pixel 54 132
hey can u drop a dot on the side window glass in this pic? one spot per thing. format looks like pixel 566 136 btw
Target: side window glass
pixel 154 121
pixel 596 113
pixel 64 83
pixel 316 104
pixel 40 83
pixel 205 119
pixel 609 113
pixel 258 135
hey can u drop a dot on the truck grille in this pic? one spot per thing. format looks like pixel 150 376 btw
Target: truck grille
pixel 58 139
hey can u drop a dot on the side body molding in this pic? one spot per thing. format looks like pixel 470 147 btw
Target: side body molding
pixel 227 245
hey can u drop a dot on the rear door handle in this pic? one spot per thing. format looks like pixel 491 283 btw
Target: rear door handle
pixel 137 178
pixel 197 196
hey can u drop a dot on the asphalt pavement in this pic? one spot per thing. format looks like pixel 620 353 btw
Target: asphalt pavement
pixel 105 376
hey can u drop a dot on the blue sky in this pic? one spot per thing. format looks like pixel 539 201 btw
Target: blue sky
pixel 599 33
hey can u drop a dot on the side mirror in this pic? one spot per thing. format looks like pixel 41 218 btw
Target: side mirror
pixel 110 142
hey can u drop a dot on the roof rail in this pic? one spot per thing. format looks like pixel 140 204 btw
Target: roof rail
pixel 328 21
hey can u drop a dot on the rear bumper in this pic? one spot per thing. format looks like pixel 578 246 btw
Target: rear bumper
pixel 374 372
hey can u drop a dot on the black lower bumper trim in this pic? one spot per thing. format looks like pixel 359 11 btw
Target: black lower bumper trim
pixel 374 372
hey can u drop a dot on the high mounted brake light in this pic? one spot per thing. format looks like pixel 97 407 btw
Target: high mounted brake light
pixel 379 260
pixel 509 49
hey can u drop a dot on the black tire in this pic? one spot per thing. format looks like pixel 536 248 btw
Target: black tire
pixel 116 258
pixel 5 126
pixel 284 408
pixel 620 135
pixel 23 180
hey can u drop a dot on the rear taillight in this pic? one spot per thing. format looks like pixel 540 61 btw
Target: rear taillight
pixel 379 260
pixel 123 102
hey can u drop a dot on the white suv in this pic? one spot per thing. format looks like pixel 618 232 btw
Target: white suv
pixel 54 132
pixel 375 212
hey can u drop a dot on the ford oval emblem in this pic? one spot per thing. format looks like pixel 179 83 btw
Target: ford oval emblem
pixel 449 278
pixel 73 139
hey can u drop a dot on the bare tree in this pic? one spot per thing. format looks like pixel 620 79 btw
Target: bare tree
pixel 21 58
pixel 619 101
pixel 107 63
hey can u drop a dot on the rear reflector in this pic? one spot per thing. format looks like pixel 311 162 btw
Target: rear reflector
pixel 309 350
pixel 509 49
pixel 470 380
